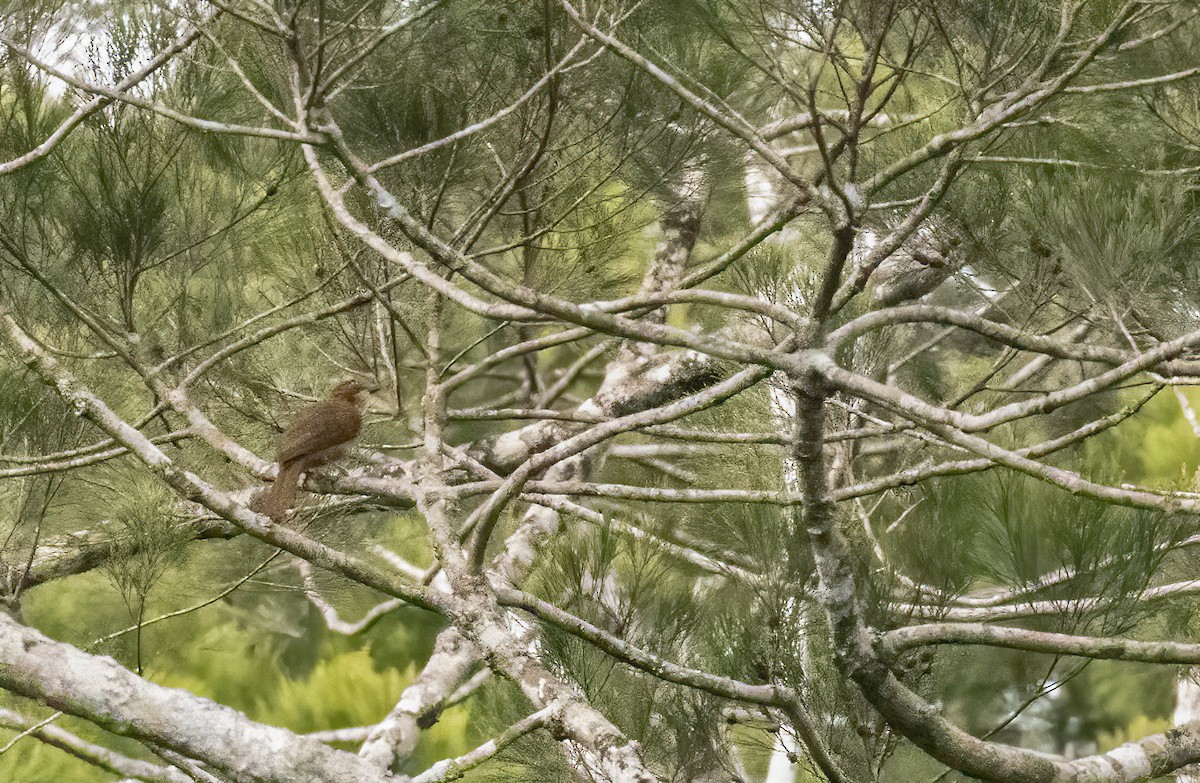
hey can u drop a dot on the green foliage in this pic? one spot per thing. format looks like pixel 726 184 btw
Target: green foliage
pixel 1009 530
pixel 141 241
pixel 339 692
pixel 1157 447
pixel 30 761
pixel 1128 240
pixel 150 540
pixel 1140 726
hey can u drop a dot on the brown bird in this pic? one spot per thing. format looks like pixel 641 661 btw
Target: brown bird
pixel 316 436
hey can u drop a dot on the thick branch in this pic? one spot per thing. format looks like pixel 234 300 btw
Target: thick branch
pixel 98 689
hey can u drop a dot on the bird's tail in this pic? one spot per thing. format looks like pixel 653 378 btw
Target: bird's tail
pixel 282 495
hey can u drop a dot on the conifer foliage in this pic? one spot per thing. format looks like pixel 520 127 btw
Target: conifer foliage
pixel 758 391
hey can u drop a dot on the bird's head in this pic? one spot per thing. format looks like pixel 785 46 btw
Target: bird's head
pixel 347 390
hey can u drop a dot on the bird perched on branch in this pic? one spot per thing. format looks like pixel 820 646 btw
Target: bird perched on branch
pixel 317 435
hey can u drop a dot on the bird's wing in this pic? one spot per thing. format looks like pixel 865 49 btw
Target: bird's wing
pixel 317 428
